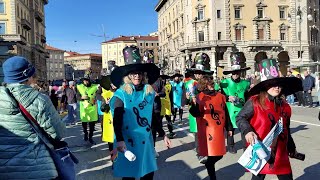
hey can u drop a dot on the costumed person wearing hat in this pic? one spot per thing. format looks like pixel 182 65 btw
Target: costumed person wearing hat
pixel 198 70
pixel 108 90
pixel 265 108
pixel 178 92
pixel 209 107
pixel 132 107
pixel 23 154
pixel 166 105
pixel 235 89
pixel 88 108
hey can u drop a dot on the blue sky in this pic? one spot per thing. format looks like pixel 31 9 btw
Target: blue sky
pixel 75 24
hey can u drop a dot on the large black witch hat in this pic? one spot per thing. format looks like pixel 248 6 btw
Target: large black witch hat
pixel 270 76
pixel 202 65
pixel 235 64
pixel 133 63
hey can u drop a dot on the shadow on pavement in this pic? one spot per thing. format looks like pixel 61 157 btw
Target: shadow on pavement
pixel 298 128
pixel 311 172
pixel 176 170
pixel 234 171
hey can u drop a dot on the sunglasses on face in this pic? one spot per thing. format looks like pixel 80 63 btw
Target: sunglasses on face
pixel 136 73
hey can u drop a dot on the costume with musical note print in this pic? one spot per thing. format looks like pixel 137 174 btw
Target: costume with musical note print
pixel 261 122
pixel 136 132
pixel 212 121
pixel 107 130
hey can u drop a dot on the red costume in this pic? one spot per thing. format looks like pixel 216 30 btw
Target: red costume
pixel 262 122
pixel 211 124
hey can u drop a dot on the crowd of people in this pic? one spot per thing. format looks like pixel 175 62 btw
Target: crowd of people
pixel 131 102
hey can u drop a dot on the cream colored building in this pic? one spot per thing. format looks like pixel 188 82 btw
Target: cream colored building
pixel 112 50
pixel 257 29
pixel 22 32
pixel 83 62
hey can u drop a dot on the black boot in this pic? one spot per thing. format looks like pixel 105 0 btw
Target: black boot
pixel 92 141
pixel 85 138
pixel 180 114
pixel 232 150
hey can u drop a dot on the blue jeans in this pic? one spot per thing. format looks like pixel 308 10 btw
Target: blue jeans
pixel 290 99
pixel 72 112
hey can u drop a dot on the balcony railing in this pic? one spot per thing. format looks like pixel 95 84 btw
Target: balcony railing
pixel 38 16
pixel 13 38
pixel 40 48
pixel 264 43
pixel 205 44
pixel 26 24
pixel 43 39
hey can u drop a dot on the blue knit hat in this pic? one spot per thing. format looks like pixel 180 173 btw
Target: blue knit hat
pixel 17 69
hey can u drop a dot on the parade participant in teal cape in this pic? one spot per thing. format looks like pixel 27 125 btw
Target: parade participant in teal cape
pixel 234 88
pixel 198 70
pixel 178 92
pixel 132 107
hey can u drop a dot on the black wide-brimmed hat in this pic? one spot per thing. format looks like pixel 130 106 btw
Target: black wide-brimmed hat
pixel 235 64
pixel 165 77
pixel 105 82
pixel 176 75
pixel 270 77
pixel 202 65
pixel 133 63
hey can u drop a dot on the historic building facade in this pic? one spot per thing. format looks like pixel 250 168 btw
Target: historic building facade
pixel 112 49
pixel 55 63
pixel 22 32
pixel 79 63
pixel 256 29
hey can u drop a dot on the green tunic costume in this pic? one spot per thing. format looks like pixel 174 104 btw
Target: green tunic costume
pixel 232 88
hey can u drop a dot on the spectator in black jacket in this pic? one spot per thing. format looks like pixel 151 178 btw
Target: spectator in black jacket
pixel 308 84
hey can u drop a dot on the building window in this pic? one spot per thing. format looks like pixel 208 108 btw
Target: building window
pixel 201 36
pixel 2 28
pixel 219 35
pixel 157 44
pixel 141 44
pixel 282 36
pixel 238 34
pixel 237 13
pixel 260 12
pixel 260 34
pixel 151 44
pixel 182 22
pixel 282 13
pixel 147 44
pixel 200 14
pixel 218 14
pixel 2 7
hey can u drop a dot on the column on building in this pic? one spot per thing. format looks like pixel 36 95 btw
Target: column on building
pixel 213 65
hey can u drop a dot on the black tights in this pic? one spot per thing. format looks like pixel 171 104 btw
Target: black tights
pixel 175 114
pixel 145 177
pixel 210 165
pixel 91 128
pixel 169 122
pixel 280 177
